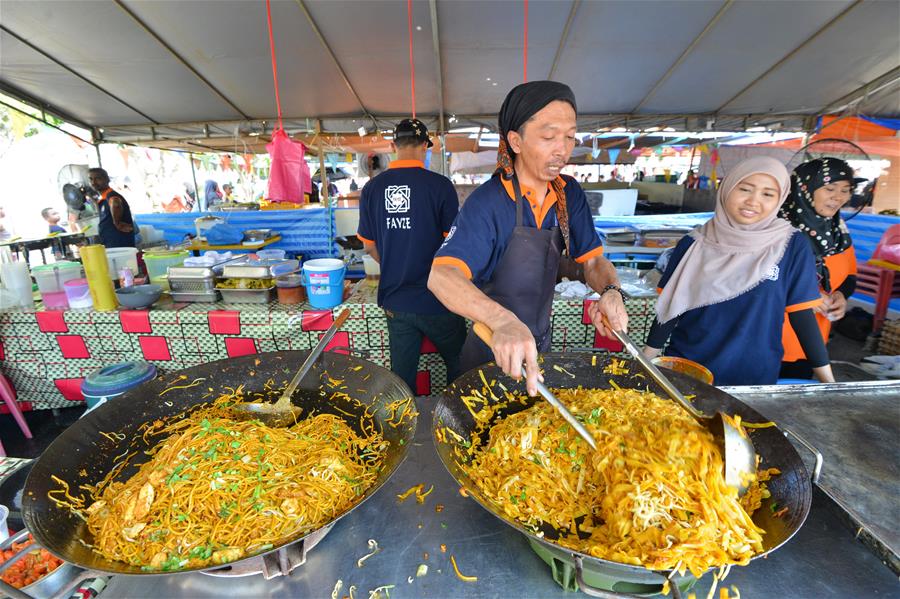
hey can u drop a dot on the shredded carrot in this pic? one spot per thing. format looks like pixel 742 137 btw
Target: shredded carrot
pixel 420 497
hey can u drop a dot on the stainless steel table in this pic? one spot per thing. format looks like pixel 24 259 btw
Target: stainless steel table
pixel 822 561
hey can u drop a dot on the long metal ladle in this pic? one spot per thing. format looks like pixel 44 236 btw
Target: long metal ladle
pixel 737 449
pixel 283 413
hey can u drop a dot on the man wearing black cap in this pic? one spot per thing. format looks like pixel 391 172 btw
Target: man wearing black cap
pixel 499 263
pixel 404 215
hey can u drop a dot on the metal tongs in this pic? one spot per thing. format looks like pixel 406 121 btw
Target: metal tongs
pixel 486 335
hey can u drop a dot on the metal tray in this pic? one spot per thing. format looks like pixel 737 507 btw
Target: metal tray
pixel 248 296
pixel 191 272
pixel 194 296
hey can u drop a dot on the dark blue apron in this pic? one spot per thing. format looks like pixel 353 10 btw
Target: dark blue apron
pixel 523 283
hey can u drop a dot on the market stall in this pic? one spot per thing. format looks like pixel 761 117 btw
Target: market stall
pixel 48 353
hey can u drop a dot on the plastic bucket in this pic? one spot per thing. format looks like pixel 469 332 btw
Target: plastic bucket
pixel 158 263
pixel 114 380
pixel 78 293
pixel 324 282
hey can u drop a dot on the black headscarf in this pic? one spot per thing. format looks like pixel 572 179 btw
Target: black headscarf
pixel 828 236
pixel 522 103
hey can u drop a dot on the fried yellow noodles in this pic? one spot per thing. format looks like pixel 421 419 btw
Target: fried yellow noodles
pixel 218 489
pixel 652 494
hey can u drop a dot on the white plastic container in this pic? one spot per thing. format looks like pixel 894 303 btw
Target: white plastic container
pixel 51 280
pixel 270 254
pixel 371 266
pixel 16 279
pixel 78 294
pixel 119 258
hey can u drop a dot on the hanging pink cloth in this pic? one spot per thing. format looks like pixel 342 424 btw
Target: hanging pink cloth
pixel 289 177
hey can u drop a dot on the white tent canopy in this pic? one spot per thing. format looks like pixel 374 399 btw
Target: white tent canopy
pixel 148 70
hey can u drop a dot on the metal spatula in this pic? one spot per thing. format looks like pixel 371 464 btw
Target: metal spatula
pixel 736 447
pixel 486 335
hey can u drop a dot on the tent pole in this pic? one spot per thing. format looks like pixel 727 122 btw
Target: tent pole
pixel 99 160
pixel 194 176
pixel 323 174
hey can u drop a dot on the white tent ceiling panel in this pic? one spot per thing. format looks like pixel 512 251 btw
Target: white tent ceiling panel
pixel 481 40
pixel 374 52
pixel 617 51
pixel 621 57
pixel 749 38
pixel 232 52
pixel 102 43
pixel 39 77
pixel 859 48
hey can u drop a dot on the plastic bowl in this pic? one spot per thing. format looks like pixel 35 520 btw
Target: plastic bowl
pixel 139 296
pixel 685 366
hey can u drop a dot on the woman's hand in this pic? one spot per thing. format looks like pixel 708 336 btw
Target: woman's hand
pixel 838 306
pixel 651 352
pixel 825 306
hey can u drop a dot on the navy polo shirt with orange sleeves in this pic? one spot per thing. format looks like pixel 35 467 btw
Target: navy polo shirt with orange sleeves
pixel 479 236
pixel 739 340
pixel 406 211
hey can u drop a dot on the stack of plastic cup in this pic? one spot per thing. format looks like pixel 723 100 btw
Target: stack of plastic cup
pixel 96 270
pixel 16 281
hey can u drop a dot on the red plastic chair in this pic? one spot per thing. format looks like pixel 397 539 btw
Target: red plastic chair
pixel 9 397
pixel 878 277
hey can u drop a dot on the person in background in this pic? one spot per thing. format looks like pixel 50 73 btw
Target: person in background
pixel 314 193
pixel 404 215
pixel 116 224
pixel 353 185
pixel 211 195
pixel 5 232
pixel 52 217
pixel 728 285
pixel 819 189
pixel 692 181
pixel 228 191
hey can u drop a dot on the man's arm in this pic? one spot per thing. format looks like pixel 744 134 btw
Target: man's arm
pixel 600 272
pixel 512 342
pixel 116 210
pixel 372 250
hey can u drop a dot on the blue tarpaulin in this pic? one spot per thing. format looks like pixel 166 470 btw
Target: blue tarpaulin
pixel 309 232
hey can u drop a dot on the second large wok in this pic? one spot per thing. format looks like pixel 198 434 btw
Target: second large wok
pixel 792 489
pixel 82 455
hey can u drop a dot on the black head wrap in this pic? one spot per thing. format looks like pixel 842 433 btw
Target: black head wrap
pixel 522 103
pixel 828 235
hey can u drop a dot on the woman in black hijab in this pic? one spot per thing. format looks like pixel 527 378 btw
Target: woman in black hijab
pixel 819 189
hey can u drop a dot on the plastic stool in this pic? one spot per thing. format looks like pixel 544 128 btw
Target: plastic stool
pixel 9 396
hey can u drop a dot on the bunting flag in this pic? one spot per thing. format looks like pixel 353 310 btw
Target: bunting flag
pixel 613 154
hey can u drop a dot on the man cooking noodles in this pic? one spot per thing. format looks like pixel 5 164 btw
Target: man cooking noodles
pixel 499 263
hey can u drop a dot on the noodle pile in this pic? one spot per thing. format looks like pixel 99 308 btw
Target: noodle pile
pixel 218 489
pixel 652 494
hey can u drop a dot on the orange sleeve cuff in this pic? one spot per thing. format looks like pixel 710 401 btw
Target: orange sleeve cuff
pixel 361 238
pixel 445 233
pixel 803 306
pixel 455 262
pixel 597 251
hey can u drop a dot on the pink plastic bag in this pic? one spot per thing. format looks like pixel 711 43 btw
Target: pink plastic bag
pixel 289 177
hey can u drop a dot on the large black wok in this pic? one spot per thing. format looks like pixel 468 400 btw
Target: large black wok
pixel 791 489
pixel 81 455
